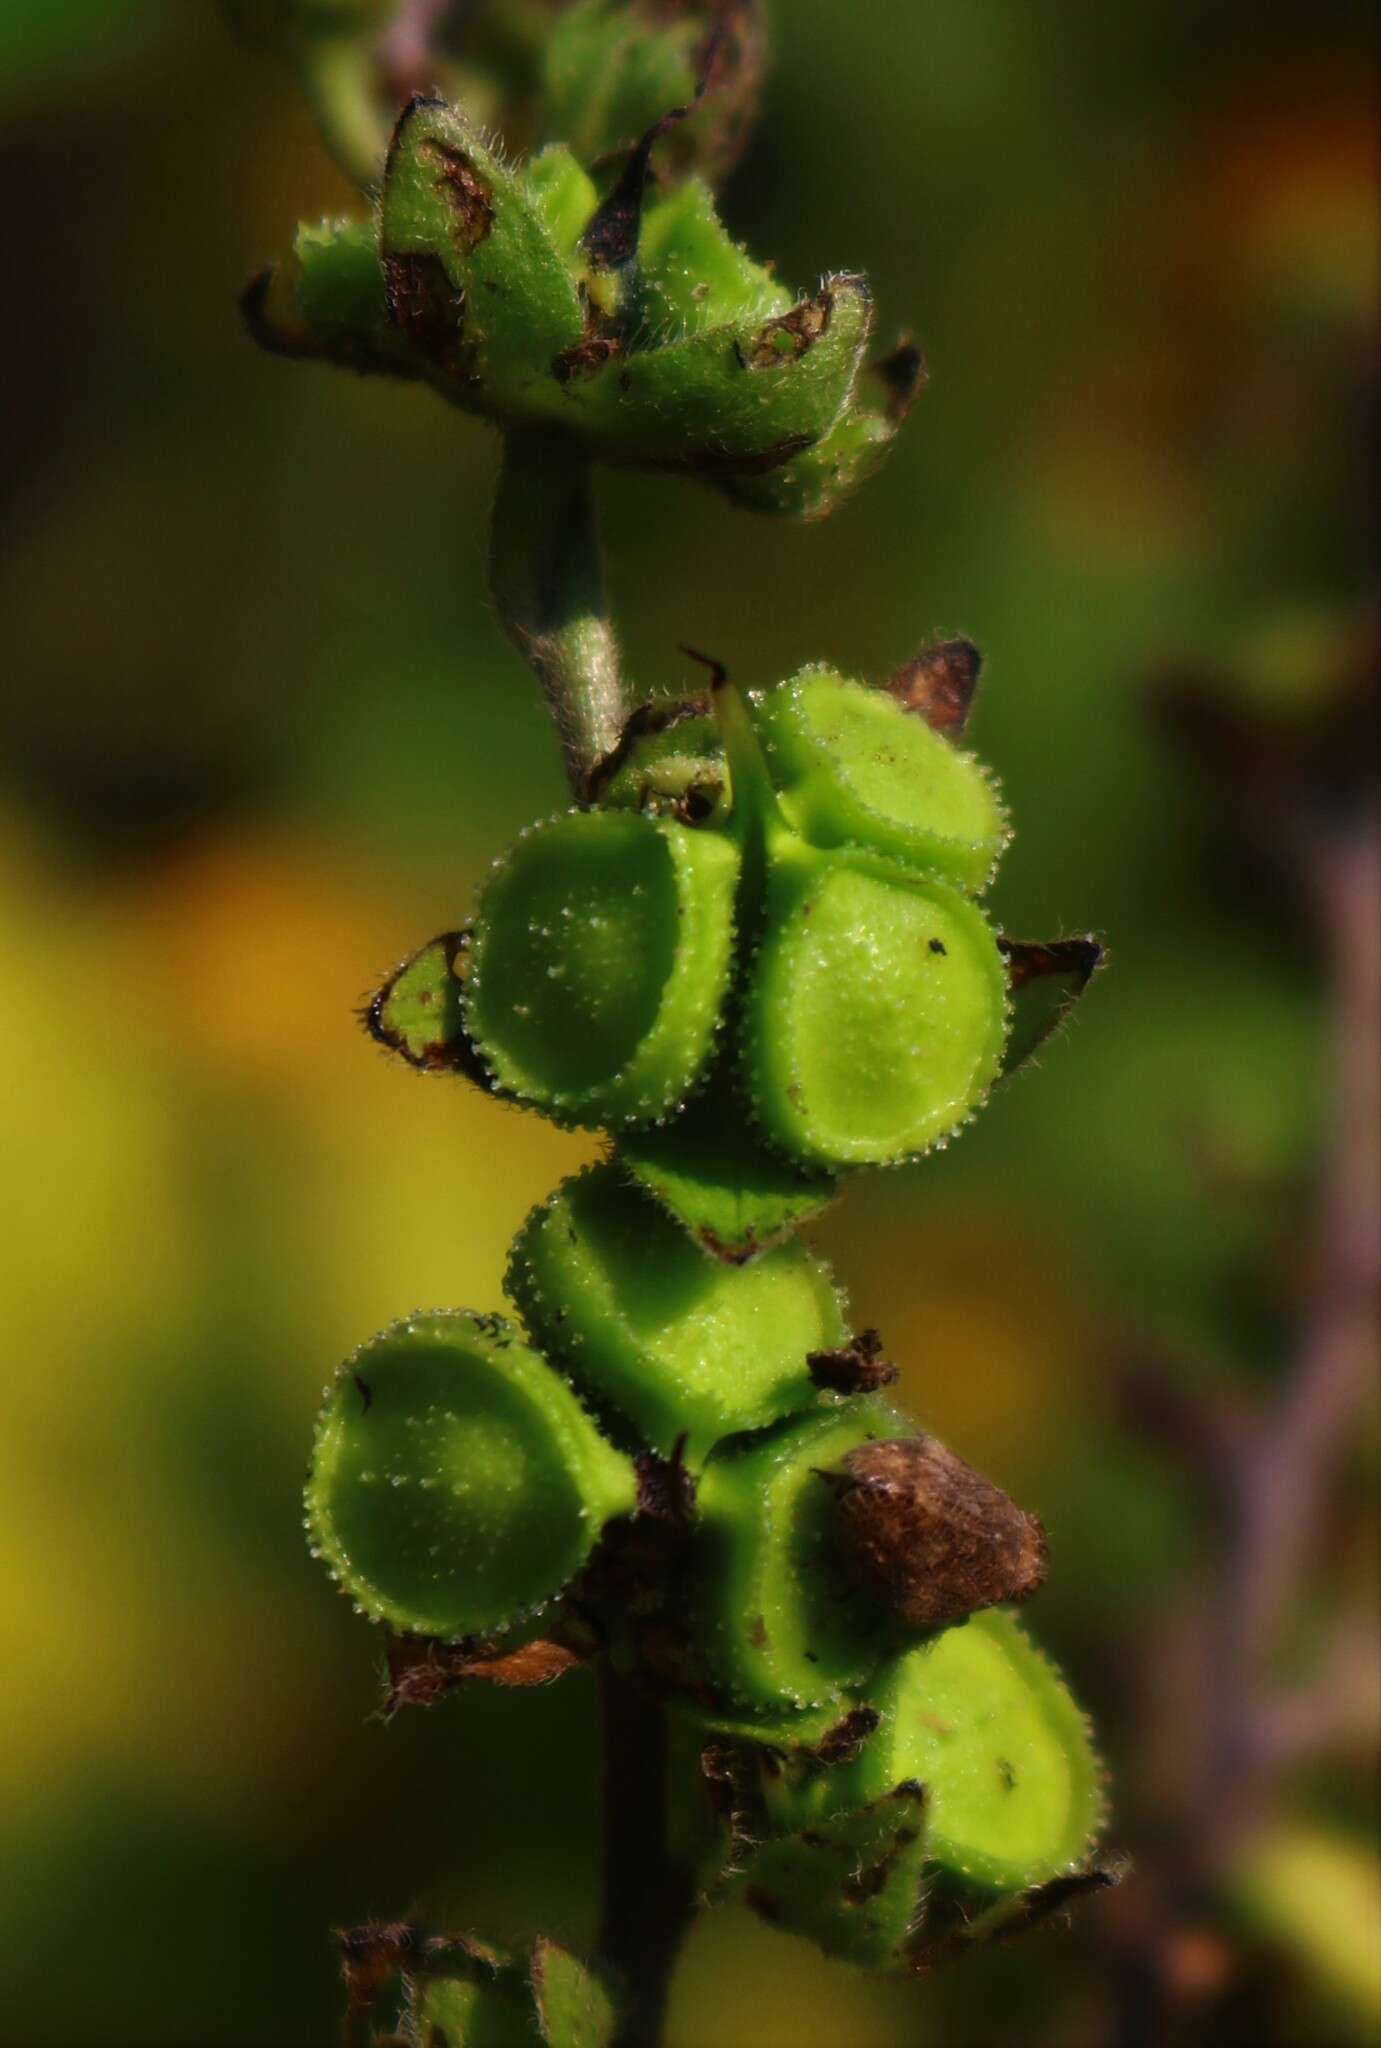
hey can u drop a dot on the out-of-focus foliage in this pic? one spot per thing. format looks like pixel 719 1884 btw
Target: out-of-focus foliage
pixel 260 730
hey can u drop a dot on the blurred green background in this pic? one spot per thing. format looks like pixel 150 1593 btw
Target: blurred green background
pixel 261 736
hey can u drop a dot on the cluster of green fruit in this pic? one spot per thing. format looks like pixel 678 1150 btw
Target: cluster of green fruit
pixel 757 961
pixel 753 955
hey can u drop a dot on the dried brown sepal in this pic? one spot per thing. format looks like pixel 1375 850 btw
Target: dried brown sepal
pixel 420 1673
pixel 937 1947
pixel 939 684
pixel 1045 979
pixel 856 1368
pixel 933 1537
pixel 841 1744
pixel 903 375
pixel 371 1956
pixel 666 1490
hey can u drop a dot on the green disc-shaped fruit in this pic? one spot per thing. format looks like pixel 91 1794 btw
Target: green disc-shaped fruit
pixel 674 1343
pixel 985 1723
pixel 875 1017
pixel 852 766
pixel 456 1482
pixel 599 964
pixel 782 1619
pixel 875 1008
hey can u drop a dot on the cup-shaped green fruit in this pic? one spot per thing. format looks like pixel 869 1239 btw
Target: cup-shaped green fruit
pixel 852 766
pixel 647 334
pixel 875 1006
pixel 675 1344
pixel 783 1621
pixel 456 1483
pixel 985 1723
pixel 599 962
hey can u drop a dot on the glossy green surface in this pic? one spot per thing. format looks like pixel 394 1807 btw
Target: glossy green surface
pixel 783 1625
pixel 678 1344
pixel 456 1483
pixel 852 766
pixel 985 1723
pixel 875 1012
pixel 481 279
pixel 600 961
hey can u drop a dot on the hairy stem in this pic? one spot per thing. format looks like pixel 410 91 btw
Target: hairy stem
pixel 647 1896
pixel 548 583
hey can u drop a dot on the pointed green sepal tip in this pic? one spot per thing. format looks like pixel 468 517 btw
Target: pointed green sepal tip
pixel 418 1013
pixel 683 1349
pixel 711 1172
pixel 600 960
pixel 781 1617
pixel 825 476
pixel 668 760
pixel 456 1483
pixel 1045 980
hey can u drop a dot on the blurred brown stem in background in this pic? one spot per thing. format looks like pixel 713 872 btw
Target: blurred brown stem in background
pixel 1270 1469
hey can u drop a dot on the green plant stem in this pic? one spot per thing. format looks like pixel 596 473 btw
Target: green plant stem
pixel 647 1898
pixel 548 583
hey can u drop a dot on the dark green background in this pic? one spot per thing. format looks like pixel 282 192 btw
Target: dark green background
pixel 261 735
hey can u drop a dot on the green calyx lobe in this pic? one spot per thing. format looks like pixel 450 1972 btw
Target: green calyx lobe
pixel 456 1483
pixel 874 1007
pixel 600 960
pixel 782 1620
pixel 644 330
pixel 684 1350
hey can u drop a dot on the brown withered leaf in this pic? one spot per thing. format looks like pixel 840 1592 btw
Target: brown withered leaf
pixel 939 685
pixel 935 1538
